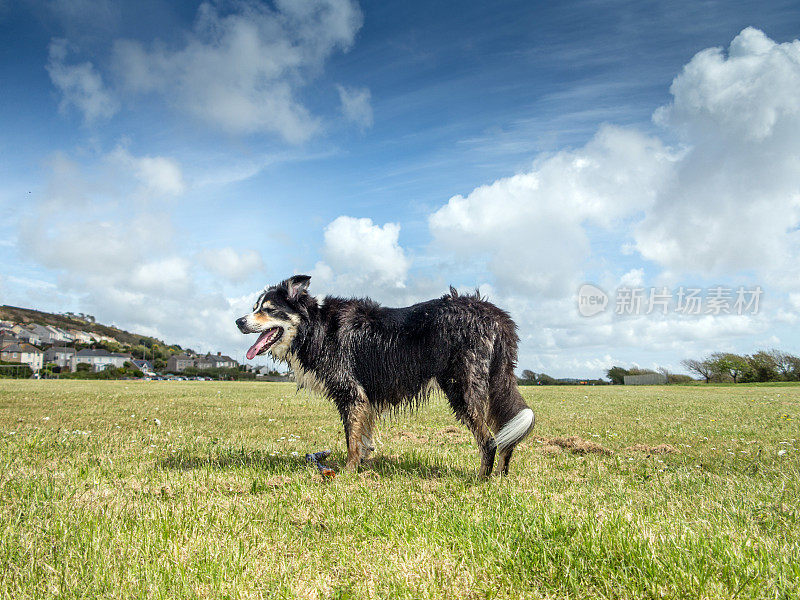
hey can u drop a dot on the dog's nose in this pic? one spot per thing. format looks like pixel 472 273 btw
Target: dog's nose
pixel 240 324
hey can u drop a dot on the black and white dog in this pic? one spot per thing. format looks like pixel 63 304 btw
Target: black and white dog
pixel 368 358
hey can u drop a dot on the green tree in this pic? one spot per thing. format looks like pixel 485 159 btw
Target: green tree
pixel 704 367
pixel 762 367
pixel 545 379
pixel 640 371
pixel 617 375
pixel 727 364
pixel 787 365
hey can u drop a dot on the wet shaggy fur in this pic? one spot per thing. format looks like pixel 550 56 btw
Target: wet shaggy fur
pixel 368 358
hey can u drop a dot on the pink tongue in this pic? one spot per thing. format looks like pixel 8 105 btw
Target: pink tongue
pixel 262 341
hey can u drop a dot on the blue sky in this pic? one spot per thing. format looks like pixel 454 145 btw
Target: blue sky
pixel 160 162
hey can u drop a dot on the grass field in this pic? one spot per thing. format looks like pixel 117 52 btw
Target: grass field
pixel 214 500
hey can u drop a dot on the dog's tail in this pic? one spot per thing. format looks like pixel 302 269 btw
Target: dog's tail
pixel 513 417
pixel 515 430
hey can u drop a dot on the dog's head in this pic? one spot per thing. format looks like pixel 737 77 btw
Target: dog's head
pixel 277 315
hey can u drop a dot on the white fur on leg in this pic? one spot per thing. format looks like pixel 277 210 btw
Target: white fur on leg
pixel 516 429
pixel 367 444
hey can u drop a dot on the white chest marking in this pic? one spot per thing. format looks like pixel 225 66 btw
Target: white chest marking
pixel 306 379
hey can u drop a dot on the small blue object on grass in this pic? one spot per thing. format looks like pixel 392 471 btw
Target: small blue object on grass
pixel 316 458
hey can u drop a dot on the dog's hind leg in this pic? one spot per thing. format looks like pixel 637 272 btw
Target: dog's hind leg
pixel 485 442
pixel 470 408
pixel 488 451
pixel 504 460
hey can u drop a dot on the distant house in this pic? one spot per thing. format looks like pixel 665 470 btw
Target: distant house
pixel 62 356
pixel 63 335
pixel 179 362
pixel 269 374
pixel 205 362
pixel 217 361
pixel 24 354
pixel 26 335
pixel 102 359
pixel 144 366
pixel 47 335
pixel 96 337
pixel 226 361
pixel 80 336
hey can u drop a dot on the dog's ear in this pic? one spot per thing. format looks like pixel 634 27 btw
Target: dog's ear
pixel 297 285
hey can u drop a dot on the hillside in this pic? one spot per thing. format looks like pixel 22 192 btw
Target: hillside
pixel 29 315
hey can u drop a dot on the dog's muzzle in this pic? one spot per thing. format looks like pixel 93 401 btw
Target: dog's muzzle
pixel 241 323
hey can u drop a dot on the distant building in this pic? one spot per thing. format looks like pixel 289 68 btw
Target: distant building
pixel 26 335
pixel 46 334
pixel 24 354
pixel 215 361
pixel 144 366
pixel 204 362
pixel 222 361
pixel 64 335
pixel 179 362
pixel 102 359
pixel 96 337
pixel 646 379
pixel 80 336
pixel 62 356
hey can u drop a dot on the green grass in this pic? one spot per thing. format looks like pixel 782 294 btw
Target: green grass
pixel 96 500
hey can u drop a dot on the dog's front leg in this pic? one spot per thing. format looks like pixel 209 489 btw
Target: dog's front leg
pixel 357 417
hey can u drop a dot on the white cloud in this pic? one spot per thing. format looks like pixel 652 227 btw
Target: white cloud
pixel 158 175
pixel 80 84
pixel 167 276
pixel 733 201
pixel 231 265
pixel 532 227
pixel 633 278
pixel 727 201
pixel 362 257
pixel 356 105
pixel 240 70
pixel 82 245
pixel 118 257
